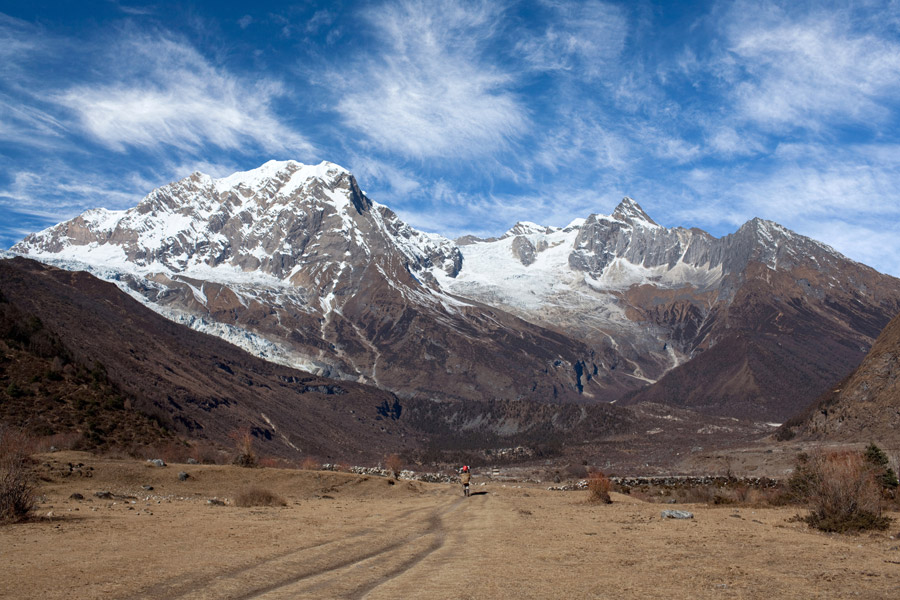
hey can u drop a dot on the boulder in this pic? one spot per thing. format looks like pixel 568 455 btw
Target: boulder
pixel 677 514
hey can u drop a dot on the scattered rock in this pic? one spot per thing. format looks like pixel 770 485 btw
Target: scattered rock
pixel 677 514
pixel 579 485
pixel 76 496
pixel 192 461
pixel 156 462
pixel 147 487
pixel 182 476
pixel 215 502
pixel 104 495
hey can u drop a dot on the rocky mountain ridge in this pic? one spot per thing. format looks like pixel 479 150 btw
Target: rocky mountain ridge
pixel 295 262
pixel 80 357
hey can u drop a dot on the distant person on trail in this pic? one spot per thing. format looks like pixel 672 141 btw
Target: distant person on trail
pixel 464 477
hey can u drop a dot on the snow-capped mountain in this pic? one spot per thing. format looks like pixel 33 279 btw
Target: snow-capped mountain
pixel 295 263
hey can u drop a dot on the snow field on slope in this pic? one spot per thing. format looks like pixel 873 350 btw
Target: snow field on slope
pixel 493 268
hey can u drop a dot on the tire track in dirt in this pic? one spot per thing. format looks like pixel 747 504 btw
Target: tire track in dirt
pixel 356 576
pixel 191 586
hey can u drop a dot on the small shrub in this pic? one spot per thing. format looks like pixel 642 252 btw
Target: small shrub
pixel 599 486
pixel 255 496
pixel 394 464
pixel 14 391
pixel 246 456
pixel 16 478
pixel 844 495
pixel 801 482
pixel 876 457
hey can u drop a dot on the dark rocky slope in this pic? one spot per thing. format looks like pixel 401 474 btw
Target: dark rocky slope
pixel 865 406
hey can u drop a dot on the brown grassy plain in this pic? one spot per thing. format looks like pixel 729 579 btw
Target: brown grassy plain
pixel 349 536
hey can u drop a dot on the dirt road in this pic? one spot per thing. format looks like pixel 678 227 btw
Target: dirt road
pixel 345 536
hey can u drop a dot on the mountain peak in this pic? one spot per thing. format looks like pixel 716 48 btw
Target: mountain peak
pixel 631 212
pixel 280 169
pixel 527 227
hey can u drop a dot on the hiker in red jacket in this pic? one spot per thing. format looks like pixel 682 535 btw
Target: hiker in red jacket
pixel 464 477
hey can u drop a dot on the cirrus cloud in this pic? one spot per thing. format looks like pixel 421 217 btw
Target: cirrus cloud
pixel 165 93
pixel 427 92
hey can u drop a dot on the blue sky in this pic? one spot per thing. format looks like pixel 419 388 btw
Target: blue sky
pixel 467 117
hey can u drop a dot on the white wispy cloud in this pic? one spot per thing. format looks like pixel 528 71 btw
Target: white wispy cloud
pixel 727 142
pixel 428 91
pixel 163 93
pixel 585 142
pixel 848 186
pixel 28 125
pixel 58 189
pixel 873 244
pixel 583 37
pixel 395 182
pixel 809 69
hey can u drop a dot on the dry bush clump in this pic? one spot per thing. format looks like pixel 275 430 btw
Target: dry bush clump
pixel 842 491
pixel 599 486
pixel 255 496
pixel 243 441
pixel 16 477
pixel 394 464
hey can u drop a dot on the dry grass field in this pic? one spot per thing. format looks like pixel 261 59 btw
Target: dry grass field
pixel 348 536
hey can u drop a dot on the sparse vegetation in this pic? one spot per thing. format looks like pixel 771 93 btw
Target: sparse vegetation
pixel 255 496
pixel 394 464
pixel 246 455
pixel 599 487
pixel 49 392
pixel 879 461
pixel 843 492
pixel 16 479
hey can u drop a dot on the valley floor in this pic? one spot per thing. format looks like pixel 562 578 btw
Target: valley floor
pixel 348 536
